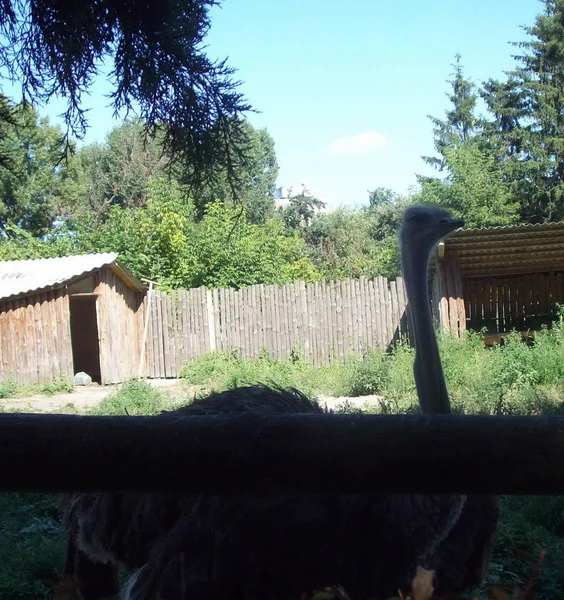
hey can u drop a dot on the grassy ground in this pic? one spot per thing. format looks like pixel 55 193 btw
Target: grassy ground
pixel 514 379
pixel 10 389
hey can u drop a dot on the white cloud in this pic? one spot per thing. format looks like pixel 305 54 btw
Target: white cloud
pixel 358 144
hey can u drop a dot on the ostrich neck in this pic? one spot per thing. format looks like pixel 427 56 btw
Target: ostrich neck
pixel 428 371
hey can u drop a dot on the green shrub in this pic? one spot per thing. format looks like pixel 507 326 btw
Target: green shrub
pixel 57 385
pixel 8 388
pixel 527 525
pixel 369 375
pixel 135 397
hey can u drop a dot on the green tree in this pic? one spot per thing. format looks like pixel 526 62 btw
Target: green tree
pixel 150 239
pixel 30 179
pixel 118 172
pixel 300 211
pixel 475 183
pixel 158 68
pixel 474 188
pixel 22 245
pixel 229 251
pixel 381 196
pixel 358 242
pixel 526 132
pixel 255 173
pixel 340 244
pixel 460 123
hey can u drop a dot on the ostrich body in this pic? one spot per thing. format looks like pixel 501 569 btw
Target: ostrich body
pixel 206 547
pixel 249 548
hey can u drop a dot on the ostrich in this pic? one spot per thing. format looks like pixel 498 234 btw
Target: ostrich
pixel 202 546
pixel 464 555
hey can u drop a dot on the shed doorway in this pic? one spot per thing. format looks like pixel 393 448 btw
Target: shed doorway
pixel 84 335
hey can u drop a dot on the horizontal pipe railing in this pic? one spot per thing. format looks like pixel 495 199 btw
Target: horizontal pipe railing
pixel 283 454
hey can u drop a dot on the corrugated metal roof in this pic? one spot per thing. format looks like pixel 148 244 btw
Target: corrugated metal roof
pixel 508 250
pixel 23 277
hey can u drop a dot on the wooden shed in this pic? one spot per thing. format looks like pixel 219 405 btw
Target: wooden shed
pixel 500 278
pixel 60 316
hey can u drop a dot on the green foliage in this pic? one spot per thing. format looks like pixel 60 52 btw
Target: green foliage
pixel 30 178
pixel 151 240
pixel 8 389
pixel 22 245
pixel 226 250
pixel 119 171
pixel 300 211
pixel 510 379
pixel 135 397
pixel 357 242
pixel 527 525
pixel 225 370
pixel 381 196
pixel 31 545
pixel 58 385
pixel 370 375
pixel 475 188
pixel 257 170
pixel 157 64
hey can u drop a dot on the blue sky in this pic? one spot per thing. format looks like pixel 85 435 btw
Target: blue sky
pixel 322 72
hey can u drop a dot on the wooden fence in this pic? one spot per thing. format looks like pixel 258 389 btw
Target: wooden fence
pixel 324 322
pixel 513 302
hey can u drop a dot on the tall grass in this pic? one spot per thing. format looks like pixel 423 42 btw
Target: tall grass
pixel 220 371
pixel 11 389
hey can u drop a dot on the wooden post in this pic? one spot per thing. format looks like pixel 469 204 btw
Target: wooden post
pixel 145 327
pixel 211 319
pixel 282 453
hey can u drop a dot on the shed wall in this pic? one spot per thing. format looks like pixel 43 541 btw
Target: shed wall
pixel 35 338
pixel 518 301
pixel 120 326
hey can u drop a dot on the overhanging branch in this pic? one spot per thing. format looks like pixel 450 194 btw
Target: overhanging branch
pixel 254 453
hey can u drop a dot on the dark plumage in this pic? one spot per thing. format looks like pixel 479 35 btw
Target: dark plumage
pixel 198 546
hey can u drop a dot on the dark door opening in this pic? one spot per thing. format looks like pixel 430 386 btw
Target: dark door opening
pixel 84 336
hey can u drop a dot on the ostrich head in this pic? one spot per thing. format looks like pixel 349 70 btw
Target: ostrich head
pixel 423 227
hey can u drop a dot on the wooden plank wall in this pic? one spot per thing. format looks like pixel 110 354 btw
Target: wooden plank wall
pixel 324 322
pixel 120 327
pixel 35 338
pixel 447 295
pixel 512 302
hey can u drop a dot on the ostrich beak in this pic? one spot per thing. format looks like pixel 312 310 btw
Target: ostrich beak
pixel 450 224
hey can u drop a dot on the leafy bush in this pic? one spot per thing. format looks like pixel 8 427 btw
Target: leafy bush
pixel 135 397
pixel 8 388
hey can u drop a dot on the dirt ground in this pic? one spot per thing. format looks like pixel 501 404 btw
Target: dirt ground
pixel 86 397
pixel 82 399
